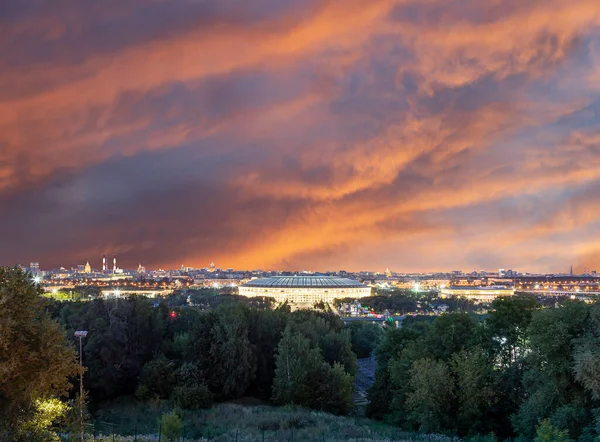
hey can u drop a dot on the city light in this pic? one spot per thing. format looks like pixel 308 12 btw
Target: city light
pixel 37 279
pixel 417 287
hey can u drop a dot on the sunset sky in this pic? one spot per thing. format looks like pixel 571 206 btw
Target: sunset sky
pixel 301 134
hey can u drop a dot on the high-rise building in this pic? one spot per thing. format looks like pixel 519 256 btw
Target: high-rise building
pixel 87 268
pixel 103 263
pixel 114 264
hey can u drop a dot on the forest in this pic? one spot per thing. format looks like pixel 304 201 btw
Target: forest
pixel 523 370
pixel 519 371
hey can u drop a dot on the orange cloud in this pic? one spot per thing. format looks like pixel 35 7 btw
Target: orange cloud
pixel 331 132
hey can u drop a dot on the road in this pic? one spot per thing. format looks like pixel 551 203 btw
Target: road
pixel 364 379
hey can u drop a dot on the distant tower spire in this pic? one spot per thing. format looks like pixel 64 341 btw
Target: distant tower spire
pixel 571 269
pixel 114 264
pixel 104 263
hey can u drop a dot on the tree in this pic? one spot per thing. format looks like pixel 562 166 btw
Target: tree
pixel 264 332
pixel 171 425
pixel 232 351
pixel 302 377
pixel 365 338
pixel 40 426
pixel 546 432
pixel 551 388
pixel 508 321
pixel 431 398
pixel 475 390
pixel 587 355
pixel 295 362
pixel 191 391
pixel 450 333
pixel 157 379
pixel 388 392
pixel 334 389
pixel 36 359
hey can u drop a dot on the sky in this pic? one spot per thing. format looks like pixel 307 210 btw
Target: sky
pixel 414 135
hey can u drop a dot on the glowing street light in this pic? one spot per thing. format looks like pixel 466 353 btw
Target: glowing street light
pixel 37 279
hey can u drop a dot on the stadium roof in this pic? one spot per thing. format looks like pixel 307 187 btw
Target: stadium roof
pixel 304 281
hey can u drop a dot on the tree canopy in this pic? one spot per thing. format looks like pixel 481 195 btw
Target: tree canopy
pixel 36 360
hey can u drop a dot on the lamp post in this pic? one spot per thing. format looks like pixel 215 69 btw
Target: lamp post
pixel 81 334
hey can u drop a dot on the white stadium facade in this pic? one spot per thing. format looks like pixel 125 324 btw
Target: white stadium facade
pixel 305 290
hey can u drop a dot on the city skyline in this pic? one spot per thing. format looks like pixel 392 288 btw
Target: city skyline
pixel 325 134
pixel 212 267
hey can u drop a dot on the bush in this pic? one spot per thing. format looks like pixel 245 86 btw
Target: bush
pixel 192 396
pixel 156 379
pixel 171 425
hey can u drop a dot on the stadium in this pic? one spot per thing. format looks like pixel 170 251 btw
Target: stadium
pixel 304 290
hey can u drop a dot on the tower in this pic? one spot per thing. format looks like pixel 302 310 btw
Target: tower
pixel 571 269
pixel 87 268
pixel 103 263
pixel 114 264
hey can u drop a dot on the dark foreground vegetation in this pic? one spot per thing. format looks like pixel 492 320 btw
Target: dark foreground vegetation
pixel 521 371
pixel 191 357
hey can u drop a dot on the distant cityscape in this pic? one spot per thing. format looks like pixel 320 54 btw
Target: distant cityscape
pixel 480 286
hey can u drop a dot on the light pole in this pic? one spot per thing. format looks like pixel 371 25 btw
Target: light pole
pixel 81 334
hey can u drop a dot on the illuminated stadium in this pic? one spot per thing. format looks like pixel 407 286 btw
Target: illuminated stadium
pixel 305 290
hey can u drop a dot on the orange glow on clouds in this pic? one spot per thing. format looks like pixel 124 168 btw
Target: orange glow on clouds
pixel 328 134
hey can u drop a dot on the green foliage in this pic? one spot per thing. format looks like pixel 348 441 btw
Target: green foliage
pixel 191 391
pixel 509 319
pixel 296 362
pixel 156 379
pixel 475 389
pixel 546 432
pixel 431 397
pixel 302 377
pixel 549 379
pixel 586 359
pixel 171 425
pixel 518 367
pixel 36 360
pixel 124 334
pixel 365 337
pixel 231 351
pixel 41 426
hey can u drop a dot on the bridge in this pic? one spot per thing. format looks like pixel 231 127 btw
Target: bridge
pixel 572 293
pixel 116 292
pixel 374 319
pixel 124 291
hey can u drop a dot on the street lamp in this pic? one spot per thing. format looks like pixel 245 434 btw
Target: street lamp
pixel 81 334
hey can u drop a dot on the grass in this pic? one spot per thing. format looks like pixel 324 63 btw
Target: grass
pixel 233 422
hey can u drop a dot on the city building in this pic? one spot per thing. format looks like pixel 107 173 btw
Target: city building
pixel 479 294
pixel 305 290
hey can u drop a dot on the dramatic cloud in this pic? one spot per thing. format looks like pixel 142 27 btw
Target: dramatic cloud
pixel 320 134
